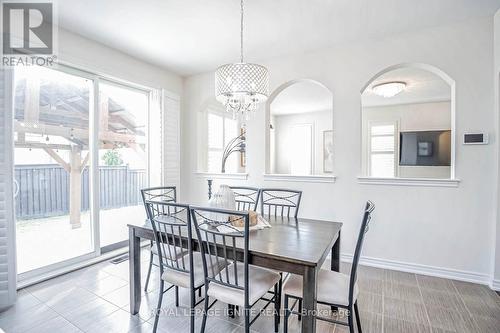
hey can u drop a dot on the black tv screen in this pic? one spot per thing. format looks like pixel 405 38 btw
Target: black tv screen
pixel 425 148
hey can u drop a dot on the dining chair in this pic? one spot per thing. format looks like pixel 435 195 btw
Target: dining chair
pixel 247 198
pixel 334 289
pixel 172 229
pixel 161 194
pixel 239 283
pixel 280 202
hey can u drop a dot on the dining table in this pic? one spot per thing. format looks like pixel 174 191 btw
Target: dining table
pixel 294 245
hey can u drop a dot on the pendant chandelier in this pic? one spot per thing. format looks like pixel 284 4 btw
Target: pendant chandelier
pixel 241 86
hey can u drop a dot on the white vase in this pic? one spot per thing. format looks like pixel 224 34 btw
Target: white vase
pixel 227 197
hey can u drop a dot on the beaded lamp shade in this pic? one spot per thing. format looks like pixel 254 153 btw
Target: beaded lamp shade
pixel 241 86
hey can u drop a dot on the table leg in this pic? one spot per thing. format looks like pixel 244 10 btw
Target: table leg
pixel 309 300
pixel 335 260
pixel 134 251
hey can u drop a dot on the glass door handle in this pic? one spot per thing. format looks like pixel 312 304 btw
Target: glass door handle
pixel 16 191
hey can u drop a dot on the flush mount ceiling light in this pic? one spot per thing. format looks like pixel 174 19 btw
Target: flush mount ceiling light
pixel 241 86
pixel 388 89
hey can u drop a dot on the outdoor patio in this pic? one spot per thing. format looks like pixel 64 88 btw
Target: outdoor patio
pixel 54 240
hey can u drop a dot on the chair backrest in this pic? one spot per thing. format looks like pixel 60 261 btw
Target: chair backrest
pixel 280 202
pixel 247 198
pixel 171 224
pixel 159 194
pixel 220 246
pixel 365 223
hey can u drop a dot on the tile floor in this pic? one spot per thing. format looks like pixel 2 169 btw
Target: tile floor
pixel 95 299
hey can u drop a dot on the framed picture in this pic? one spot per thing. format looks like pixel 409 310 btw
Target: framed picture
pixel 328 151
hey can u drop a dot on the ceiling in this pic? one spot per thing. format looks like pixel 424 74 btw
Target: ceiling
pixel 192 36
pixel 302 97
pixel 421 87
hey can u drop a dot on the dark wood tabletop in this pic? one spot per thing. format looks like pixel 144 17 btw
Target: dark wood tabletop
pixel 292 245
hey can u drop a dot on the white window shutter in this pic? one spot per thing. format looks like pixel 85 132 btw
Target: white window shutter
pixel 172 156
pixel 8 275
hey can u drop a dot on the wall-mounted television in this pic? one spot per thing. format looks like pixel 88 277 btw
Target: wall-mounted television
pixel 425 148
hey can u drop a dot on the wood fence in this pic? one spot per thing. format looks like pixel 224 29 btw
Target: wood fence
pixel 43 189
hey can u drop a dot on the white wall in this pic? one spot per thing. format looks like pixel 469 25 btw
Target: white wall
pixel 410 117
pixel 87 54
pixel 283 125
pixel 496 74
pixel 450 231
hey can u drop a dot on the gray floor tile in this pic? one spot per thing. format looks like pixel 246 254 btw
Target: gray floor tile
pixel 374 286
pixel 46 290
pixel 373 273
pixel 117 322
pixel 119 270
pixel 145 327
pixel 487 324
pixel 86 275
pixel 26 320
pixel 443 300
pixel 407 311
pixel 469 289
pixel 435 283
pixel 403 278
pixel 149 303
pixel 119 297
pixel 371 322
pixel 392 325
pixel 180 323
pixel 450 320
pixel 403 292
pixel 67 300
pixel 103 286
pixel 25 302
pixel 85 316
pixel 482 305
pixel 57 324
pixel 370 302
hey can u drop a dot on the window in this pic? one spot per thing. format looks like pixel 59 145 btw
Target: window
pixel 301 149
pixel 221 129
pixel 382 149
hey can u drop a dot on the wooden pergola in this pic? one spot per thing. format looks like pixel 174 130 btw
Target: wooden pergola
pixel 52 109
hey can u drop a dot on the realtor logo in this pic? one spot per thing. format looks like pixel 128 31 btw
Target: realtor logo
pixel 29 33
pixel 27 28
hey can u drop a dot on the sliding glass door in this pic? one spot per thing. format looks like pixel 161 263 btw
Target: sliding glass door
pixel 51 135
pixel 122 160
pixel 81 158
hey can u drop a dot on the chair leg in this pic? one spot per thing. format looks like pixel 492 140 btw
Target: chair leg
pixel 280 287
pixel 192 304
pixel 276 308
pixel 176 296
pixel 158 307
pixel 350 321
pixel 149 271
pixel 358 320
pixel 247 320
pixel 205 314
pixel 299 317
pixel 287 314
pixel 199 292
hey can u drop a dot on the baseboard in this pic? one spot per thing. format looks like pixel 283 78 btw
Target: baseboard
pixel 495 285
pixel 446 273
